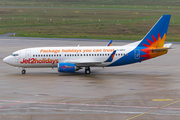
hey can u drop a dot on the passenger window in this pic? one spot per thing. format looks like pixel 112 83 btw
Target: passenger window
pixel 65 55
pixel 72 54
pixel 38 55
pixel 54 55
pixel 97 54
pixel 57 55
pixel 33 55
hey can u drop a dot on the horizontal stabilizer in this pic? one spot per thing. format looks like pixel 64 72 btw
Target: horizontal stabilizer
pixel 165 47
pixel 168 45
pixel 160 49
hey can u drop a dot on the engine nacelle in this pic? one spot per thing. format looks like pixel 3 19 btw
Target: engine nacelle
pixel 67 67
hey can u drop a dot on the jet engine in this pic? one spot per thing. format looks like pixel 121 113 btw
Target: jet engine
pixel 67 67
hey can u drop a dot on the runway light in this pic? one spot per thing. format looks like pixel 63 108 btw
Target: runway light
pixel 12 18
pixel 0 18
pixel 37 18
pixel 24 18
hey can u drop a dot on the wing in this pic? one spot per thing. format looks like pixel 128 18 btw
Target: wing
pixel 93 63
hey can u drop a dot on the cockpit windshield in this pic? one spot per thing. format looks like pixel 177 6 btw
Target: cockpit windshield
pixel 15 54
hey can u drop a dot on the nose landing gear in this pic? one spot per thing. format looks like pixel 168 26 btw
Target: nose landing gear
pixel 23 71
pixel 87 70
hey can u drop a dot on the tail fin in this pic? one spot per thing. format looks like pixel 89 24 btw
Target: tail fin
pixel 156 36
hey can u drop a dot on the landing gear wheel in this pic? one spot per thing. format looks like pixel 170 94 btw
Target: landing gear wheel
pixel 23 71
pixel 87 70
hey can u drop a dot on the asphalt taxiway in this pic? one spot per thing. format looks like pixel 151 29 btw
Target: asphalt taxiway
pixel 147 90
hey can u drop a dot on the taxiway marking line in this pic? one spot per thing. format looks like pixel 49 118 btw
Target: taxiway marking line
pixel 153 110
pixel 11 104
pixel 81 104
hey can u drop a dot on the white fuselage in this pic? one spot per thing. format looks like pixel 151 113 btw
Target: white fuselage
pixel 50 56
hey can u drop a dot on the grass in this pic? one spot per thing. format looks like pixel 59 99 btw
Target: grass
pixel 98 22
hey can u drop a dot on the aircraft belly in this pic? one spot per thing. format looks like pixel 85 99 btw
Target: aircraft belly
pixel 37 65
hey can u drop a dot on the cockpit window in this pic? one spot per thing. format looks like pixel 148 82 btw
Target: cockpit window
pixel 15 54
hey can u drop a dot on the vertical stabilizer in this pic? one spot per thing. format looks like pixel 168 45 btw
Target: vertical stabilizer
pixel 155 38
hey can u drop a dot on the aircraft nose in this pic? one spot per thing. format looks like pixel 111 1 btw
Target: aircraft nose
pixel 7 60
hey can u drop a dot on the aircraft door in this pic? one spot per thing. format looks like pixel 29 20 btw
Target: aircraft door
pixel 136 54
pixel 18 57
pixel 28 54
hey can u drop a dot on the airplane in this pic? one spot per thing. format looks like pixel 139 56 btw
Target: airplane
pixel 71 59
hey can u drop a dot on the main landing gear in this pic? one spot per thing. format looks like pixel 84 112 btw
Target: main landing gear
pixel 23 71
pixel 87 70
